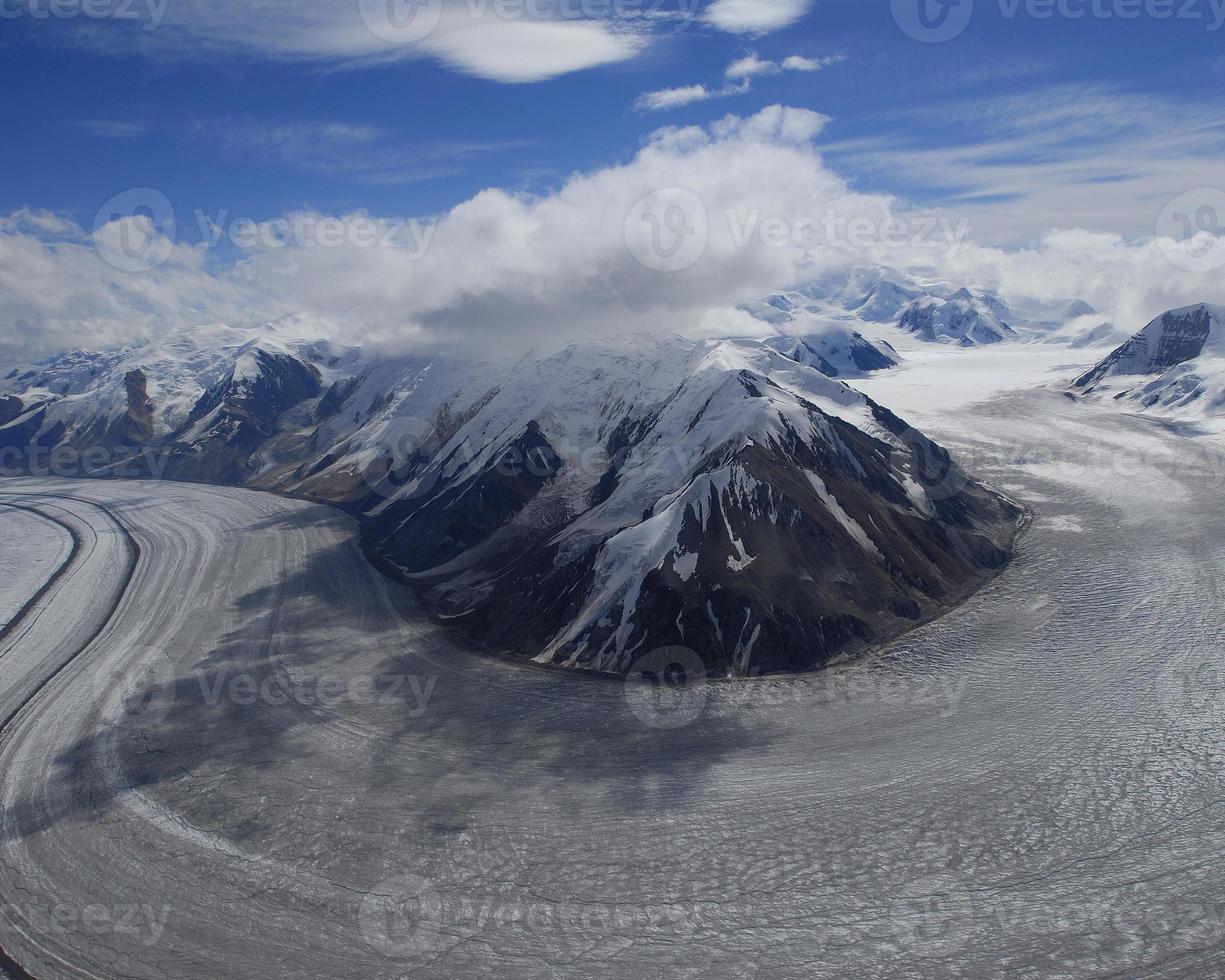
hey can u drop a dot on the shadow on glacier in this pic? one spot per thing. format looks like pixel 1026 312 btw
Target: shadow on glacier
pixel 442 733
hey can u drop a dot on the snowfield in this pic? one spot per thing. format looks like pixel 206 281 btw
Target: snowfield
pixel 1030 784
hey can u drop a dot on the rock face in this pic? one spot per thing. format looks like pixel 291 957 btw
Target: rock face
pixel 10 409
pixel 584 508
pixel 1176 364
pixel 135 427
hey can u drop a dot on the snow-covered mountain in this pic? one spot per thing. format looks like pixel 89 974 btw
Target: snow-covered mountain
pixel 1101 335
pixel 1174 365
pixel 962 318
pixel 209 397
pixel 837 352
pixel 929 309
pixel 831 346
pixel 879 295
pixel 580 508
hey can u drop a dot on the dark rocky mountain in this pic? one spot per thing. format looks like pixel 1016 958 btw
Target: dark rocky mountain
pixel 1174 365
pixel 1172 339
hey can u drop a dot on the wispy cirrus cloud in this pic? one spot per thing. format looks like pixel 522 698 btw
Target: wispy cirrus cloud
pixel 115 129
pixel 1019 165
pixel 364 153
pixel 352 151
pixel 675 98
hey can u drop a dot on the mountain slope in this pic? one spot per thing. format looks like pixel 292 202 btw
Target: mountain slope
pixel 1176 364
pixel 718 495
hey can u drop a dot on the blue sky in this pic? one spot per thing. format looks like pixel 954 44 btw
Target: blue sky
pixel 497 169
pixel 222 113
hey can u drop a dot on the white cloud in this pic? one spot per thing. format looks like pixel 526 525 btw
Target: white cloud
pixel 518 269
pixel 675 98
pixel 739 75
pixel 798 63
pixel 39 222
pixel 56 292
pixel 755 17
pixel 510 43
pixel 750 66
pixel 531 51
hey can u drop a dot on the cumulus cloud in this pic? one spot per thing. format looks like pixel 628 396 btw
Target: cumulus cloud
pixel 700 221
pixel 57 291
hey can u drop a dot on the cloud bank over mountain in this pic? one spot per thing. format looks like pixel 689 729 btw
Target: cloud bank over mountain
pixel 698 222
